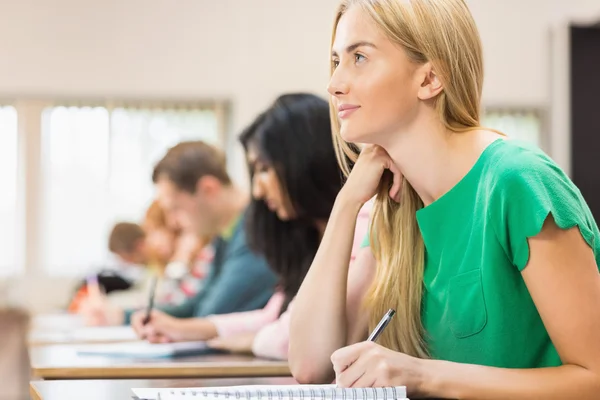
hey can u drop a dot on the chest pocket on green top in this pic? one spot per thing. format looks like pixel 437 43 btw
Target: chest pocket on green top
pixel 466 304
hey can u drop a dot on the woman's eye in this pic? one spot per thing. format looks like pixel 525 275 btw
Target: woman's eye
pixel 358 57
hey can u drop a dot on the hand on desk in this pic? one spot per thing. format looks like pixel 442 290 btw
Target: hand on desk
pixel 162 328
pixel 97 311
pixel 235 344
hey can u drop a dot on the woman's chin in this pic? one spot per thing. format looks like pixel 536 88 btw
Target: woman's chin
pixel 352 136
pixel 347 135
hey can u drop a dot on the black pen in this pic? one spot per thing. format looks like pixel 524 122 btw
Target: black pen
pixel 151 300
pixel 381 325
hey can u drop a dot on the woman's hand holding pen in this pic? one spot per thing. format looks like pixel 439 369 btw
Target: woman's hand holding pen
pixel 161 328
pixel 368 364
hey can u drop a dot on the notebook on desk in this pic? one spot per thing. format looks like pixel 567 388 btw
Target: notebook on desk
pixel 287 392
pixel 142 350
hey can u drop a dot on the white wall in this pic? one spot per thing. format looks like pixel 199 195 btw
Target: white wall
pixel 527 58
pixel 246 51
pixel 516 39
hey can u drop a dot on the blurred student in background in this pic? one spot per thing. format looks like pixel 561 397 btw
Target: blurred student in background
pixel 193 184
pixel 295 180
pixel 161 246
pixel 189 255
pixel 123 279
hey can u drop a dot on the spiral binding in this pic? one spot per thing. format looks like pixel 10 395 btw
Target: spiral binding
pixel 308 393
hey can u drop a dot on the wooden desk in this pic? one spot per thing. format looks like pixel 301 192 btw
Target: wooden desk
pixel 121 389
pixel 63 362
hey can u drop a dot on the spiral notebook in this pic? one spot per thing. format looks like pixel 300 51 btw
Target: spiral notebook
pixel 287 392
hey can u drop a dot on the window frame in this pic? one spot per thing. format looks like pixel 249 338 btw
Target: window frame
pixel 19 231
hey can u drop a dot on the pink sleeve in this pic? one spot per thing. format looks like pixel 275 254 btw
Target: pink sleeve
pixel 272 340
pixel 362 227
pixel 249 321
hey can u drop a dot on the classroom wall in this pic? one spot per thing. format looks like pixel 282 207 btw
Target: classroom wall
pixel 245 51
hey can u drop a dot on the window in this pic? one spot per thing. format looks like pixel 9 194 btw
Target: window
pixel 525 124
pixel 74 178
pixel 139 139
pixel 9 262
pixel 97 164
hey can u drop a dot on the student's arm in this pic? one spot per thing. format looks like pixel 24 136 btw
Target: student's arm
pixel 320 321
pixel 272 341
pixel 562 277
pixel 237 331
pixel 326 310
pixel 234 324
pixel 165 328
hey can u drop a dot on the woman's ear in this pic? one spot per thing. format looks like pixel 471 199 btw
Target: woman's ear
pixel 431 85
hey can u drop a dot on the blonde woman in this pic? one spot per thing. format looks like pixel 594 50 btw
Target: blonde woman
pixel 484 247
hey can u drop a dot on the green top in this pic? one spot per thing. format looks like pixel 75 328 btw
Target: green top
pixel 476 306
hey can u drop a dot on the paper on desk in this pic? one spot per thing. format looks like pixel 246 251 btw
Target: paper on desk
pixel 143 349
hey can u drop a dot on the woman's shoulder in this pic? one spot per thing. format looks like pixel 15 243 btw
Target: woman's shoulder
pixel 511 158
pixel 516 168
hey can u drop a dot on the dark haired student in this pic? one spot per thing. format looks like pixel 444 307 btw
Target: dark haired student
pixel 295 180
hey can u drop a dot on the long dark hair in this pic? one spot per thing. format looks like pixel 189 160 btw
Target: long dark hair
pixel 294 138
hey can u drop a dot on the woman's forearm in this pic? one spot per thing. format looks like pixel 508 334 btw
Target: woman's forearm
pixel 444 379
pixel 318 322
pixel 191 329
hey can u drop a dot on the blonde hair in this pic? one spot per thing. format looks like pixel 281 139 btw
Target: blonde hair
pixel 443 33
